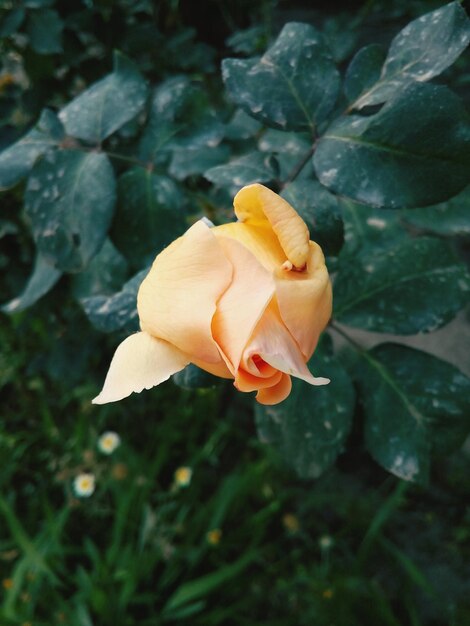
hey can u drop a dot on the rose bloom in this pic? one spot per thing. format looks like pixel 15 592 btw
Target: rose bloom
pixel 245 301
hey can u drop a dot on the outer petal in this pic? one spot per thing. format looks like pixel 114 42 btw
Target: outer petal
pixel 305 300
pixel 277 393
pixel 273 343
pixel 140 362
pixel 242 304
pixel 256 203
pixel 177 299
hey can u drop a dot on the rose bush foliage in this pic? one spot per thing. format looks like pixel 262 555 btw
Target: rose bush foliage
pixel 114 175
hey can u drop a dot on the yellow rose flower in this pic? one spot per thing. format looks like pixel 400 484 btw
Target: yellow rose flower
pixel 246 300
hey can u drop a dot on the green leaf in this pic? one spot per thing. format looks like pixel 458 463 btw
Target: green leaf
pixel 17 160
pixel 192 377
pixel 248 41
pixel 366 227
pixel 10 21
pixel 293 86
pixel 118 311
pixel 413 403
pixel 180 118
pixel 43 278
pixel 189 162
pixel 70 199
pixel 44 28
pixel 108 104
pixel 447 219
pixel 422 50
pixel 149 216
pixel 290 149
pixel 413 286
pixel 7 228
pixel 363 71
pixel 251 168
pixel 241 126
pixel 414 152
pixel 38 4
pixel 310 427
pixel 105 274
pixel 320 211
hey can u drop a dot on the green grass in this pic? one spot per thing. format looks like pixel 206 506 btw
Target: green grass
pixel 362 548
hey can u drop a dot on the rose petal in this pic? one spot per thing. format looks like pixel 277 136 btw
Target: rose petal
pixel 140 362
pixel 277 393
pixel 305 300
pixel 217 369
pixel 178 297
pixel 272 342
pixel 259 239
pixel 242 304
pixel 254 204
pixel 245 381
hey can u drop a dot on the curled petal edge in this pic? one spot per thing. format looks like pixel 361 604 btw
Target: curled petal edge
pixel 140 362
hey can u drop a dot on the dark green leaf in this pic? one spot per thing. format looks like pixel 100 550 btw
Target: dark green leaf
pixel 447 219
pixel 43 278
pixel 11 21
pixel 116 312
pixel 363 71
pixel 320 211
pixel 248 41
pixel 251 168
pixel 241 126
pixel 310 427
pixel 18 159
pixel 342 35
pixel 290 149
pixel 422 50
pixel 414 286
pixel 189 162
pixel 44 28
pixel 413 402
pixel 180 118
pixel 108 104
pixel 414 152
pixel 366 227
pixel 292 87
pixel 187 53
pixel 149 216
pixel 38 4
pixel 192 377
pixel 104 275
pixel 70 199
pixel 7 228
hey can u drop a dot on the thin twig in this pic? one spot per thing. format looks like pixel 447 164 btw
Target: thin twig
pixel 299 166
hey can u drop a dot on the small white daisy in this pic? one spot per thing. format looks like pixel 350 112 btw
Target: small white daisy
pixel 84 485
pixel 108 442
pixel 183 476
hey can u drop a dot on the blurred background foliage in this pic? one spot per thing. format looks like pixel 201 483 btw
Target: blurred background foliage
pixel 125 100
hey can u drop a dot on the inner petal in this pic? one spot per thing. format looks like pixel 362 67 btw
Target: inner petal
pixel 274 344
pixel 255 204
pixel 242 304
pixel 245 381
